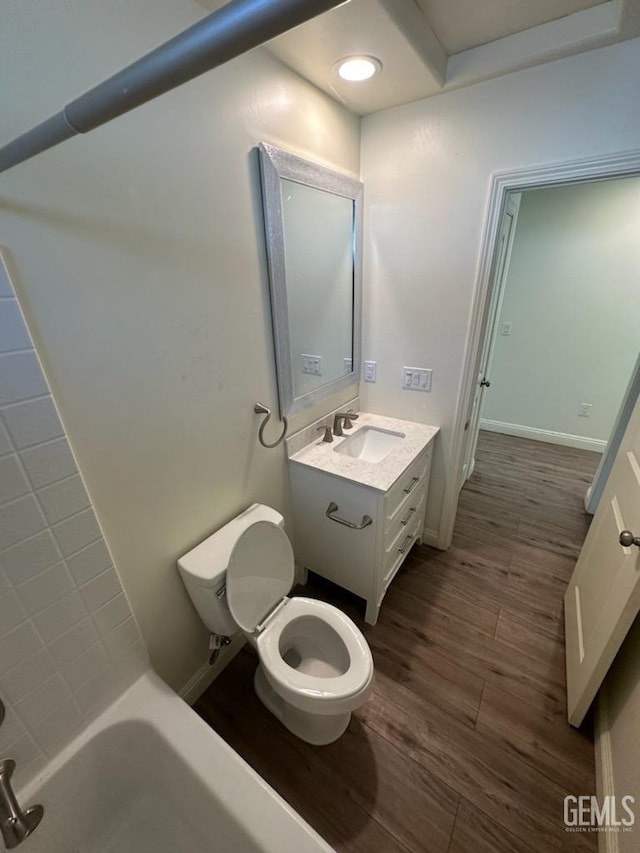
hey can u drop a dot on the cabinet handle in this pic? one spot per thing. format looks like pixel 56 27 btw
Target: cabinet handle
pixel 407 519
pixel 412 485
pixel 405 544
pixel 333 508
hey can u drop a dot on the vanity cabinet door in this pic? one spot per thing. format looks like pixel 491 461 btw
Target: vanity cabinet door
pixel 362 559
pixel 342 554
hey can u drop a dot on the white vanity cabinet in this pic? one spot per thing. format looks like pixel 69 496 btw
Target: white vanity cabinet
pixel 357 534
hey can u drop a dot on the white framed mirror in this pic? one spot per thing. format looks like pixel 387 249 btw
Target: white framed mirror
pixel 313 226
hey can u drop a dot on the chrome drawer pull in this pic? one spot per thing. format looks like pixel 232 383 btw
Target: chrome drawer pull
pixel 333 508
pixel 408 516
pixel 405 544
pixel 411 485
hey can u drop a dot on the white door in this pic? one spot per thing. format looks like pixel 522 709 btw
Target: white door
pixel 505 243
pixel 603 596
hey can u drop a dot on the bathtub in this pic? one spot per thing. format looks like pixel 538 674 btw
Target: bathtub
pixel 149 776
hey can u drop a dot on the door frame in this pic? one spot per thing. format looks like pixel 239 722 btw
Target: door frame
pixel 595 490
pixel 609 167
pixel 494 309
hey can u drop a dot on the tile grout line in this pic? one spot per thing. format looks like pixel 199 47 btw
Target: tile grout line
pixel 475 725
pixel 495 630
pixel 453 826
pixel 410 758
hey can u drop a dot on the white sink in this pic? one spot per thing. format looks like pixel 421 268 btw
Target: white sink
pixel 370 444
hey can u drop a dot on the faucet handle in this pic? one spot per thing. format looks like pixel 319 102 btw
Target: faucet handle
pixel 328 437
pixel 349 417
pixel 15 824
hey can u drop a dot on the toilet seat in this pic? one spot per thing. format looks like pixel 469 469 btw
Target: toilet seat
pixel 261 572
pixel 319 695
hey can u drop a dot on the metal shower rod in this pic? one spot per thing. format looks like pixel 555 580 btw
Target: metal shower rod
pixel 221 36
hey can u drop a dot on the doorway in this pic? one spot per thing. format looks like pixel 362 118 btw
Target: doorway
pixel 501 186
pixel 561 340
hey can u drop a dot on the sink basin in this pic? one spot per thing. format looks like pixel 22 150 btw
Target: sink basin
pixel 370 444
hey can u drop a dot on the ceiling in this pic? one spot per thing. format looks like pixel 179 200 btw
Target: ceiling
pixel 430 46
pixel 463 24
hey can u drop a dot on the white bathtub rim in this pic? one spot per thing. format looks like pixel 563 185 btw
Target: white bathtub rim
pixel 237 785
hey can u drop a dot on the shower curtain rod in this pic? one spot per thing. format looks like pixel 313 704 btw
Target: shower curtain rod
pixel 221 36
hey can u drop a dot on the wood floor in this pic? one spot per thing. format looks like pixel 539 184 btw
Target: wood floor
pixel 464 747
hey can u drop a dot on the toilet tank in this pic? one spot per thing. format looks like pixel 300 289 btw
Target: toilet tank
pixel 203 569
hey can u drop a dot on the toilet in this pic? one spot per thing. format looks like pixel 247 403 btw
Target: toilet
pixel 315 665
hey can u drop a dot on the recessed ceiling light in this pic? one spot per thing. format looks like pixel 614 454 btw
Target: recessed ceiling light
pixel 356 68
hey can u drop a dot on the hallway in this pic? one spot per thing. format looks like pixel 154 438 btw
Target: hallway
pixel 464 747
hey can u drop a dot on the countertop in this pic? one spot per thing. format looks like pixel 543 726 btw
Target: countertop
pixel 377 475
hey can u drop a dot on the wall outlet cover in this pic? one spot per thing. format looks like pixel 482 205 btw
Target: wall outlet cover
pixel 370 371
pixel 311 364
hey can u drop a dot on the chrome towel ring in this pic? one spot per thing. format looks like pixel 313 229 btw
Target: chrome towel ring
pixel 259 409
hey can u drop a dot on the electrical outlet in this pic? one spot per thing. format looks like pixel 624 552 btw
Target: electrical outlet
pixel 311 364
pixel 505 328
pixel 585 410
pixel 416 378
pixel 370 371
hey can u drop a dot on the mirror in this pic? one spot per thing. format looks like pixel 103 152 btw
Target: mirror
pixel 313 224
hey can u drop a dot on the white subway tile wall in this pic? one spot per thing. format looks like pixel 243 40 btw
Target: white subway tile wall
pixel 69 643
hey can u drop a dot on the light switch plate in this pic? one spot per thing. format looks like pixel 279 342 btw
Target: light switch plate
pixel 505 328
pixel 416 378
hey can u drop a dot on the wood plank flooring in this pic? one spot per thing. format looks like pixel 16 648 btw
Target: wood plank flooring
pixel 464 746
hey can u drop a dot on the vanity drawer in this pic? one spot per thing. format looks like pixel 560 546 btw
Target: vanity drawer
pixel 410 508
pixel 398 546
pixel 400 495
pixel 396 555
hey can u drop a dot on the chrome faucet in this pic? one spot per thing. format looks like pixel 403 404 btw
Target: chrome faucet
pixel 338 419
pixel 15 825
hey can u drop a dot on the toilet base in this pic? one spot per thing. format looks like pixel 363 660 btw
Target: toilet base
pixel 317 729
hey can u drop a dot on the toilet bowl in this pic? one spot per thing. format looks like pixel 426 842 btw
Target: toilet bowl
pixel 315 665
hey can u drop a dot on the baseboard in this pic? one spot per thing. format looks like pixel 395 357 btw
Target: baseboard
pixel 607 841
pixel 430 537
pixel 206 675
pixel 579 441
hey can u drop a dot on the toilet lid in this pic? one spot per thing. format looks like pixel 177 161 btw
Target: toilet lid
pixel 260 573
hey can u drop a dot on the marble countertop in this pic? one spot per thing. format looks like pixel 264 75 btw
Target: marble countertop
pixel 377 475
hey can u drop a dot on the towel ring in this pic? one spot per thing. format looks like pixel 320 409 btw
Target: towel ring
pixel 259 409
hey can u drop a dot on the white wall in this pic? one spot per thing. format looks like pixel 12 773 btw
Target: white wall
pixel 571 296
pixel 140 258
pixel 426 169
pixel 68 640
